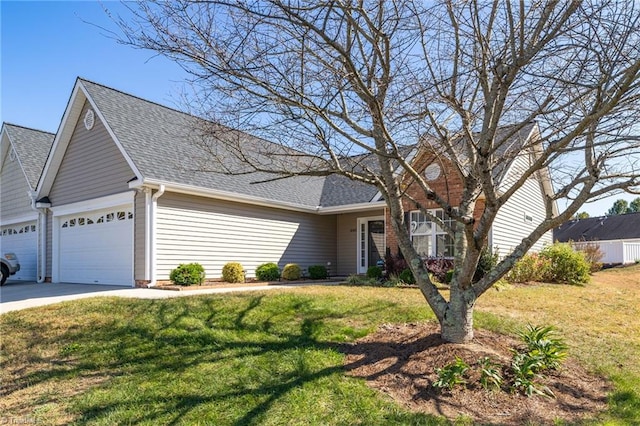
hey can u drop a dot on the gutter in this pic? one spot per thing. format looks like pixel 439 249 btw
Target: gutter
pixel 252 200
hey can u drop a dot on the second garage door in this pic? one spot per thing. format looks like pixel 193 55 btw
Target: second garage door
pixel 97 247
pixel 22 239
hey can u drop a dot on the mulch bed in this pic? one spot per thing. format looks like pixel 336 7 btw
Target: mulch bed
pixel 400 360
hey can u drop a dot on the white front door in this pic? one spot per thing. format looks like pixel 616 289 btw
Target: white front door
pixel 371 242
pixel 96 247
pixel 22 239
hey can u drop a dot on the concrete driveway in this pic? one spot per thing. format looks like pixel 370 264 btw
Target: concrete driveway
pixel 16 295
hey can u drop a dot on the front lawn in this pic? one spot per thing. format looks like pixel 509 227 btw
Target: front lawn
pixel 275 357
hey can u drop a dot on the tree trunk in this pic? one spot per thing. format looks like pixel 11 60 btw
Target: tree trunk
pixel 457 323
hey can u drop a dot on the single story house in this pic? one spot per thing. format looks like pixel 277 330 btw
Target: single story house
pixel 128 195
pixel 618 236
pixel 23 152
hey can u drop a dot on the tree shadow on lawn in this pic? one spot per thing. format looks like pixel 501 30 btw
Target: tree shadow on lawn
pixel 185 338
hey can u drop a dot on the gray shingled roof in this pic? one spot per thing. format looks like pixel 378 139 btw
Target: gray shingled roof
pixel 32 148
pixel 616 227
pixel 164 145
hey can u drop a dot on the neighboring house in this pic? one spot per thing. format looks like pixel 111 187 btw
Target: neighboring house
pixel 618 236
pixel 23 153
pixel 129 195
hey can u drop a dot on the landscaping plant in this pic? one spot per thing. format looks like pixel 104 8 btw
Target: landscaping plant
pixel 374 272
pixel 543 345
pixel 531 267
pixel 407 277
pixel 233 272
pixel 451 375
pixel 291 272
pixel 490 376
pixel 268 272
pixel 318 272
pixel 187 274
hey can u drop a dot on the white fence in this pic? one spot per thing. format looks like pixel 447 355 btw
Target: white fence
pixel 618 251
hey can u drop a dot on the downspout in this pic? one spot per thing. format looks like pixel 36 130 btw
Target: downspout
pixel 147 234
pixel 154 214
pixel 41 252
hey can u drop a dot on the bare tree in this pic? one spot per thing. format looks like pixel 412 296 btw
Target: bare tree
pixel 330 81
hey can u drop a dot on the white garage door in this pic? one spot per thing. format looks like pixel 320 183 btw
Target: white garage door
pixel 96 247
pixel 22 239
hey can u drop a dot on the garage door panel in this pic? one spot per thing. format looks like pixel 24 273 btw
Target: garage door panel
pixel 22 239
pixel 97 247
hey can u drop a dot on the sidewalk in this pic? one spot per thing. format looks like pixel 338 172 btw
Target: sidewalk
pixel 22 295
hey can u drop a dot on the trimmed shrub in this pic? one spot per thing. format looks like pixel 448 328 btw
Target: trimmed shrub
pixel 268 272
pixel 566 264
pixel 318 272
pixel 374 272
pixel 291 271
pixel 187 274
pixel 407 277
pixel 233 272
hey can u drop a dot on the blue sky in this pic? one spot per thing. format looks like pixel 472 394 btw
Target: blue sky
pixel 45 45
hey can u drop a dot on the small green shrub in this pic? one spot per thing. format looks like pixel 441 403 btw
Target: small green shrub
pixel 407 277
pixel 374 272
pixel 318 272
pixel 488 260
pixel 566 264
pixel 448 276
pixel 490 376
pixel 233 272
pixel 543 351
pixel 543 345
pixel 268 272
pixel 451 375
pixel 525 370
pixel 291 271
pixel 531 267
pixel 187 274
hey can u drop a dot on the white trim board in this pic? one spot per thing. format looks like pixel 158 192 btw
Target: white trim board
pixel 94 204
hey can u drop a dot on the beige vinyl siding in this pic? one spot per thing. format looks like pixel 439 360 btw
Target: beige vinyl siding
pixel 214 232
pixel 92 166
pixel 14 190
pixel 511 224
pixel 347 236
pixel 139 235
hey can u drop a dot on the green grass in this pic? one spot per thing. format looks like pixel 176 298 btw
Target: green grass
pixel 242 359
pixel 268 358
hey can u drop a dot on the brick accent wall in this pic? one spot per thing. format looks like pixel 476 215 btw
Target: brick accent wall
pixel 448 185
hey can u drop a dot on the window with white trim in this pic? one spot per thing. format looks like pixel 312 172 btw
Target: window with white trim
pixel 429 239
